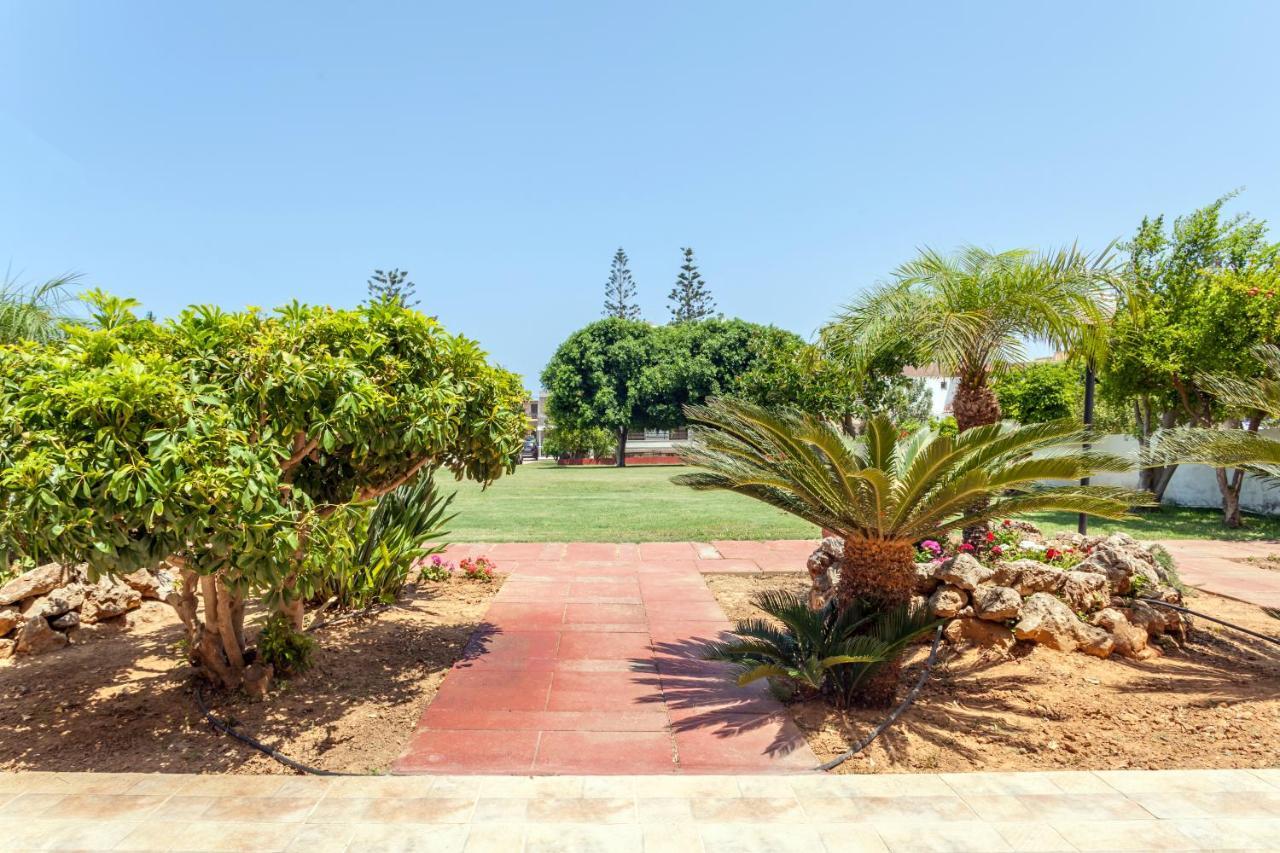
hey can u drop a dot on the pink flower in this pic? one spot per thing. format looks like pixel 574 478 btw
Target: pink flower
pixel 966 547
pixel 996 550
pixel 931 545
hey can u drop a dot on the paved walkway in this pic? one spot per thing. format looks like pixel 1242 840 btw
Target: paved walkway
pixel 1110 810
pixel 589 662
pixel 1222 568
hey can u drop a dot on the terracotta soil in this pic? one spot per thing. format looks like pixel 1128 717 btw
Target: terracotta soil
pixel 1213 703
pixel 124 701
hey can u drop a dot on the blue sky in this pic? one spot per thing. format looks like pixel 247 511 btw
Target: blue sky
pixel 251 153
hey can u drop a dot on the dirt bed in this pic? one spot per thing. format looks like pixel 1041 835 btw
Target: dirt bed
pixel 1213 703
pixel 124 702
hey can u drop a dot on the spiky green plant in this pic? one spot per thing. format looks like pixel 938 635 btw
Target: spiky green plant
pixel 888 490
pixel 34 313
pixel 832 650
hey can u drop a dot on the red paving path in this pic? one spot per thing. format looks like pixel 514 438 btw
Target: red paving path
pixel 588 662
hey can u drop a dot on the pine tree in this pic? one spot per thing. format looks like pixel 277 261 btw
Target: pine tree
pixel 690 299
pixel 620 292
pixel 393 285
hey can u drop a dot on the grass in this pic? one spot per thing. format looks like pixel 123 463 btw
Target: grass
pixel 542 502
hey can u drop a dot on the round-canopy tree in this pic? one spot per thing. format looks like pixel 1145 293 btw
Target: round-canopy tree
pixel 216 440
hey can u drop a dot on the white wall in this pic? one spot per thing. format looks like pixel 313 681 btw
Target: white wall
pixel 943 391
pixel 1192 485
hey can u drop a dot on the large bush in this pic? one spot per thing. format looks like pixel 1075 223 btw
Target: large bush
pixel 218 440
pixel 562 442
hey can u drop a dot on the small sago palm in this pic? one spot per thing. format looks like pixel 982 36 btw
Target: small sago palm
pixel 832 650
pixel 886 491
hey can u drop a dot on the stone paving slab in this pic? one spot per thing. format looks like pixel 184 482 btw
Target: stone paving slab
pixel 1057 810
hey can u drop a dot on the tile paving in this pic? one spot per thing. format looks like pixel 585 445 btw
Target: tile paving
pixel 1060 810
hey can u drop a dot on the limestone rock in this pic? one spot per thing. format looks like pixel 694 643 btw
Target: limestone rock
pixel 65 622
pixel 38 581
pixel 108 598
pixel 36 637
pixel 947 600
pixel 1028 576
pixel 1084 591
pixel 964 572
pixel 7 648
pixel 156 584
pixel 1130 640
pixel 1121 558
pixel 9 619
pixel 1048 621
pixel 926 582
pixel 57 602
pixel 996 603
pixel 1156 620
pixel 979 632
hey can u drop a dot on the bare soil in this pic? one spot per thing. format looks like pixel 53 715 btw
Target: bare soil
pixel 125 701
pixel 1213 703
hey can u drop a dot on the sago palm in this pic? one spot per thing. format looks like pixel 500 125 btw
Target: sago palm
pixel 973 312
pixel 832 650
pixel 885 491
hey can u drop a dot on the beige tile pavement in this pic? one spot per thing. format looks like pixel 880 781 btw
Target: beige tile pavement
pixel 1106 810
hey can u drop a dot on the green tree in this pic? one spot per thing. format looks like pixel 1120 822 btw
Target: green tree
pixel 1040 391
pixel 690 299
pixel 620 291
pixel 561 442
pixel 34 313
pixel 217 441
pixel 392 285
pixel 972 313
pixel 884 493
pixel 613 374
pixel 1201 297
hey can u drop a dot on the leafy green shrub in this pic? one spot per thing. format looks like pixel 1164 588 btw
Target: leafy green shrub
pixel 287 650
pixel 369 550
pixel 826 651
pixel 562 442
pixel 227 442
pixel 437 569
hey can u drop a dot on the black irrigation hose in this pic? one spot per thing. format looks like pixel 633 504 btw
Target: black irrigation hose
pixel 227 728
pixel 1182 609
pixel 897 712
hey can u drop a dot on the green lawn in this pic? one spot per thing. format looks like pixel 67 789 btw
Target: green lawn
pixel 542 502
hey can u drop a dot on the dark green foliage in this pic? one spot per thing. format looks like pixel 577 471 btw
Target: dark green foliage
pixel 1041 391
pixel 288 651
pixel 826 651
pixel 367 551
pixel 690 299
pixel 578 442
pixel 392 286
pixel 620 291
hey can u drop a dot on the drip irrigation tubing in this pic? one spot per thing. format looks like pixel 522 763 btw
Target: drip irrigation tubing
pixel 897 712
pixel 1182 609
pixel 227 728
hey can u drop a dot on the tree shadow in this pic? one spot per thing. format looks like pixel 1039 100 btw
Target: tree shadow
pixel 126 703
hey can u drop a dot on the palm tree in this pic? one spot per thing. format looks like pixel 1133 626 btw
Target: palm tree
pixel 973 312
pixel 33 313
pixel 886 491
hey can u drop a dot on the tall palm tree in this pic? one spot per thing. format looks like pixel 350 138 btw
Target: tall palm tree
pixel 973 312
pixel 885 492
pixel 33 313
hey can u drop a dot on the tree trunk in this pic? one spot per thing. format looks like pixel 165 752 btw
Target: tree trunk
pixel 620 459
pixel 213 617
pixel 882 573
pixel 1154 480
pixel 1230 483
pixel 974 405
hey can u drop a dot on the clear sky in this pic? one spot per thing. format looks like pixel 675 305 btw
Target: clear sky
pixel 252 152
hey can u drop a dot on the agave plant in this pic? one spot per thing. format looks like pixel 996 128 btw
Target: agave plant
pixel 831 650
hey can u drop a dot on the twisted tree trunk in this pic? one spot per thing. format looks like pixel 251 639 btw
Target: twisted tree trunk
pixel 212 616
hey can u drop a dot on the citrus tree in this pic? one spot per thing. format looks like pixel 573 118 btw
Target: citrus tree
pixel 216 441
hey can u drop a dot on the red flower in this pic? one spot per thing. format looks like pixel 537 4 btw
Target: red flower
pixel 1052 553
pixel 997 550
pixel 991 537
pixel 1007 523
pixel 966 547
